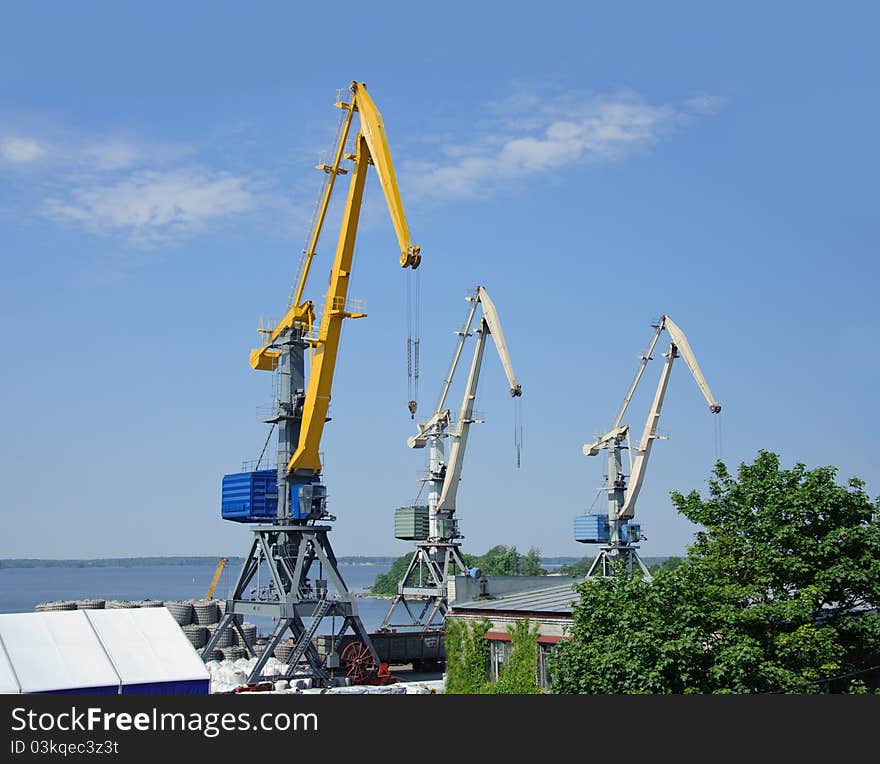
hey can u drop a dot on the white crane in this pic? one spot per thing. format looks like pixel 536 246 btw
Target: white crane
pixel 437 557
pixel 619 536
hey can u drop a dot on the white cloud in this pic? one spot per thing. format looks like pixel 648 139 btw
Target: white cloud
pixel 21 150
pixel 531 136
pixel 138 190
pixel 104 154
pixel 151 206
pixel 113 155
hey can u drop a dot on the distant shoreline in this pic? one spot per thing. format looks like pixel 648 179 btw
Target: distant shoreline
pixel 140 562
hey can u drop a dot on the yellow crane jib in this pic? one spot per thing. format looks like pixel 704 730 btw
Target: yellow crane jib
pixel 377 153
pixel 371 148
pixel 373 130
pixel 220 565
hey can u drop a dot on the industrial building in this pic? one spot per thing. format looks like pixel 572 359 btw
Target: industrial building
pixel 504 600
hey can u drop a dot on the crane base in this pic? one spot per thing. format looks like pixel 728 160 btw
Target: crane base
pixel 609 556
pixel 275 581
pixel 422 592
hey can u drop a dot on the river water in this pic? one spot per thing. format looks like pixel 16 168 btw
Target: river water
pixel 22 588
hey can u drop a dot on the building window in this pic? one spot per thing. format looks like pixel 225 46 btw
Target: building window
pixel 499 654
pixel 542 675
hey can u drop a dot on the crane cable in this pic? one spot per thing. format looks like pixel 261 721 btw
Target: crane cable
pixel 718 438
pixel 265 445
pixel 413 319
pixel 518 429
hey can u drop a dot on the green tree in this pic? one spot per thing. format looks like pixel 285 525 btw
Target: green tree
pixel 386 583
pixel 518 675
pixel 467 657
pixel 763 602
pixel 670 563
pixel 631 636
pixel 504 560
pixel 470 560
pixel 501 560
pixel 530 564
pixel 579 568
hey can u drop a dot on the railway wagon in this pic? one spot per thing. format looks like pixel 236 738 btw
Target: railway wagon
pixel 424 650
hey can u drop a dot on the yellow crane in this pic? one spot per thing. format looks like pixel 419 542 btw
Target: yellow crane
pixel 371 148
pixel 220 565
pixel 290 568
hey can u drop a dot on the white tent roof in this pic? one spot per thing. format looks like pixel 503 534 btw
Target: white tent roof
pixel 146 645
pixel 55 651
pixel 8 682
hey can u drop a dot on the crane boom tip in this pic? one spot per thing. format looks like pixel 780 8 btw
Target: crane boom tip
pixel 411 257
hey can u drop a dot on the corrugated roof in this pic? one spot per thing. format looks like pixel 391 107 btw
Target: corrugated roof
pixel 552 599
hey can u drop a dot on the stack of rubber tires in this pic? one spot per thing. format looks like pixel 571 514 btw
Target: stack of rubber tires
pixel 90 604
pixel 197 635
pixel 205 612
pixel 57 605
pixel 182 612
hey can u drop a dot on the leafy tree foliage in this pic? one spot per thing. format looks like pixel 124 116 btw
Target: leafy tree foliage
pixel 498 561
pixel 582 567
pixel 467 657
pixel 778 593
pixel 386 583
pixel 579 568
pixel 530 563
pixel 518 675
pixel 670 563
pixel 504 560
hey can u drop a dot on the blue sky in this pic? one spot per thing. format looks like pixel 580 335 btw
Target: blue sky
pixel 592 166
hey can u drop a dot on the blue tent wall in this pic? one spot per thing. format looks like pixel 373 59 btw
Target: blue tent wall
pixel 190 687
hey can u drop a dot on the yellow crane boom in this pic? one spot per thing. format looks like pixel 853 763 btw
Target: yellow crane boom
pixel 220 565
pixel 371 148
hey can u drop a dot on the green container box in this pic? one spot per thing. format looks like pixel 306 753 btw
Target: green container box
pixel 411 523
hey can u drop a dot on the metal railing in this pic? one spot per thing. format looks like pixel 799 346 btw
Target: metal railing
pixel 252 465
pixel 348 305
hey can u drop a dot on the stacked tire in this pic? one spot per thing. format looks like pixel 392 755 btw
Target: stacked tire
pixel 233 653
pixel 56 605
pixel 90 604
pixel 182 612
pixel 227 638
pixel 197 635
pixel 283 651
pixel 205 612
pixel 250 632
